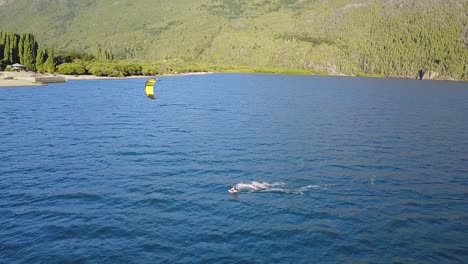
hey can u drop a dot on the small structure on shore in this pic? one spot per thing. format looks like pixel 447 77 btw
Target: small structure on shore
pixel 16 67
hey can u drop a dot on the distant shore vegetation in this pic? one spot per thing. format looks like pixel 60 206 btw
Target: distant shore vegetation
pixel 397 55
pixel 397 38
pixel 24 49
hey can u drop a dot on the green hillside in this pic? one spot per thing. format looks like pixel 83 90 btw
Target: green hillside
pixel 373 37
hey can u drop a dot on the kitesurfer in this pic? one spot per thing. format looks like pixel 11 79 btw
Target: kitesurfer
pixel 234 189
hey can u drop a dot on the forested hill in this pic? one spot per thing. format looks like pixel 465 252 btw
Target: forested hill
pixel 377 37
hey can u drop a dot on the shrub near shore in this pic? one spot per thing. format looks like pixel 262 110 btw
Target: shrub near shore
pixel 128 68
pixel 24 49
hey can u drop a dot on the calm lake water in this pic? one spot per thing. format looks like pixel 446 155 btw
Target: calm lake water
pixel 338 170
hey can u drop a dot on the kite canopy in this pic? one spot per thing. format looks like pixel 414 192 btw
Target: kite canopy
pixel 149 88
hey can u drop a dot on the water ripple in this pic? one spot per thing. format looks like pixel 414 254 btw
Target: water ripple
pixel 351 170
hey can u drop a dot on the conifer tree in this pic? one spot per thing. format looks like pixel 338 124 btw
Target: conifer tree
pixel 99 54
pixel 108 55
pixel 40 60
pixel 2 47
pixel 14 53
pixel 29 52
pixel 6 50
pixel 49 65
pixel 21 48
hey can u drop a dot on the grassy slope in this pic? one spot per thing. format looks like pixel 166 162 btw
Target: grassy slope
pixel 391 38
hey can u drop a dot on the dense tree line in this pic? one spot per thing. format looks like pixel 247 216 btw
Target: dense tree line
pixel 413 41
pixel 357 37
pixel 24 49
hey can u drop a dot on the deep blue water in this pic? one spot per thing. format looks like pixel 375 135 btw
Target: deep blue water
pixel 365 171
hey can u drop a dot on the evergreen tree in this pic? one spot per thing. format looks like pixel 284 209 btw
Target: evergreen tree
pixel 10 53
pixel 14 52
pixel 6 51
pixel 99 54
pixel 29 52
pixel 2 46
pixel 104 55
pixel 40 58
pixel 49 65
pixel 108 55
pixel 21 48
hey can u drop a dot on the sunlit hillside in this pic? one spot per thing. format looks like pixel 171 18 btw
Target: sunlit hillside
pixel 376 37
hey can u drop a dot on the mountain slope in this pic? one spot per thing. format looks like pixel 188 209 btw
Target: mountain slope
pixel 391 38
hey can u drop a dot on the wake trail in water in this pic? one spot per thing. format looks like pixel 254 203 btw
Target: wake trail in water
pixel 279 187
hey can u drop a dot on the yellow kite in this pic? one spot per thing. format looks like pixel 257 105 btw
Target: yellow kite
pixel 149 88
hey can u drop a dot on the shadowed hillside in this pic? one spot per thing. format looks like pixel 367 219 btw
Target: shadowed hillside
pixel 385 38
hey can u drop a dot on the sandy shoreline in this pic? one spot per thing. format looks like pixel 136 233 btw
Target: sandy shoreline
pixel 27 79
pixel 18 83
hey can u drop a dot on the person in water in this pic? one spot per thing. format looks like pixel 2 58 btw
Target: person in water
pixel 234 189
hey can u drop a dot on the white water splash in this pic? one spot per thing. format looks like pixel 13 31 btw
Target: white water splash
pixel 255 186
